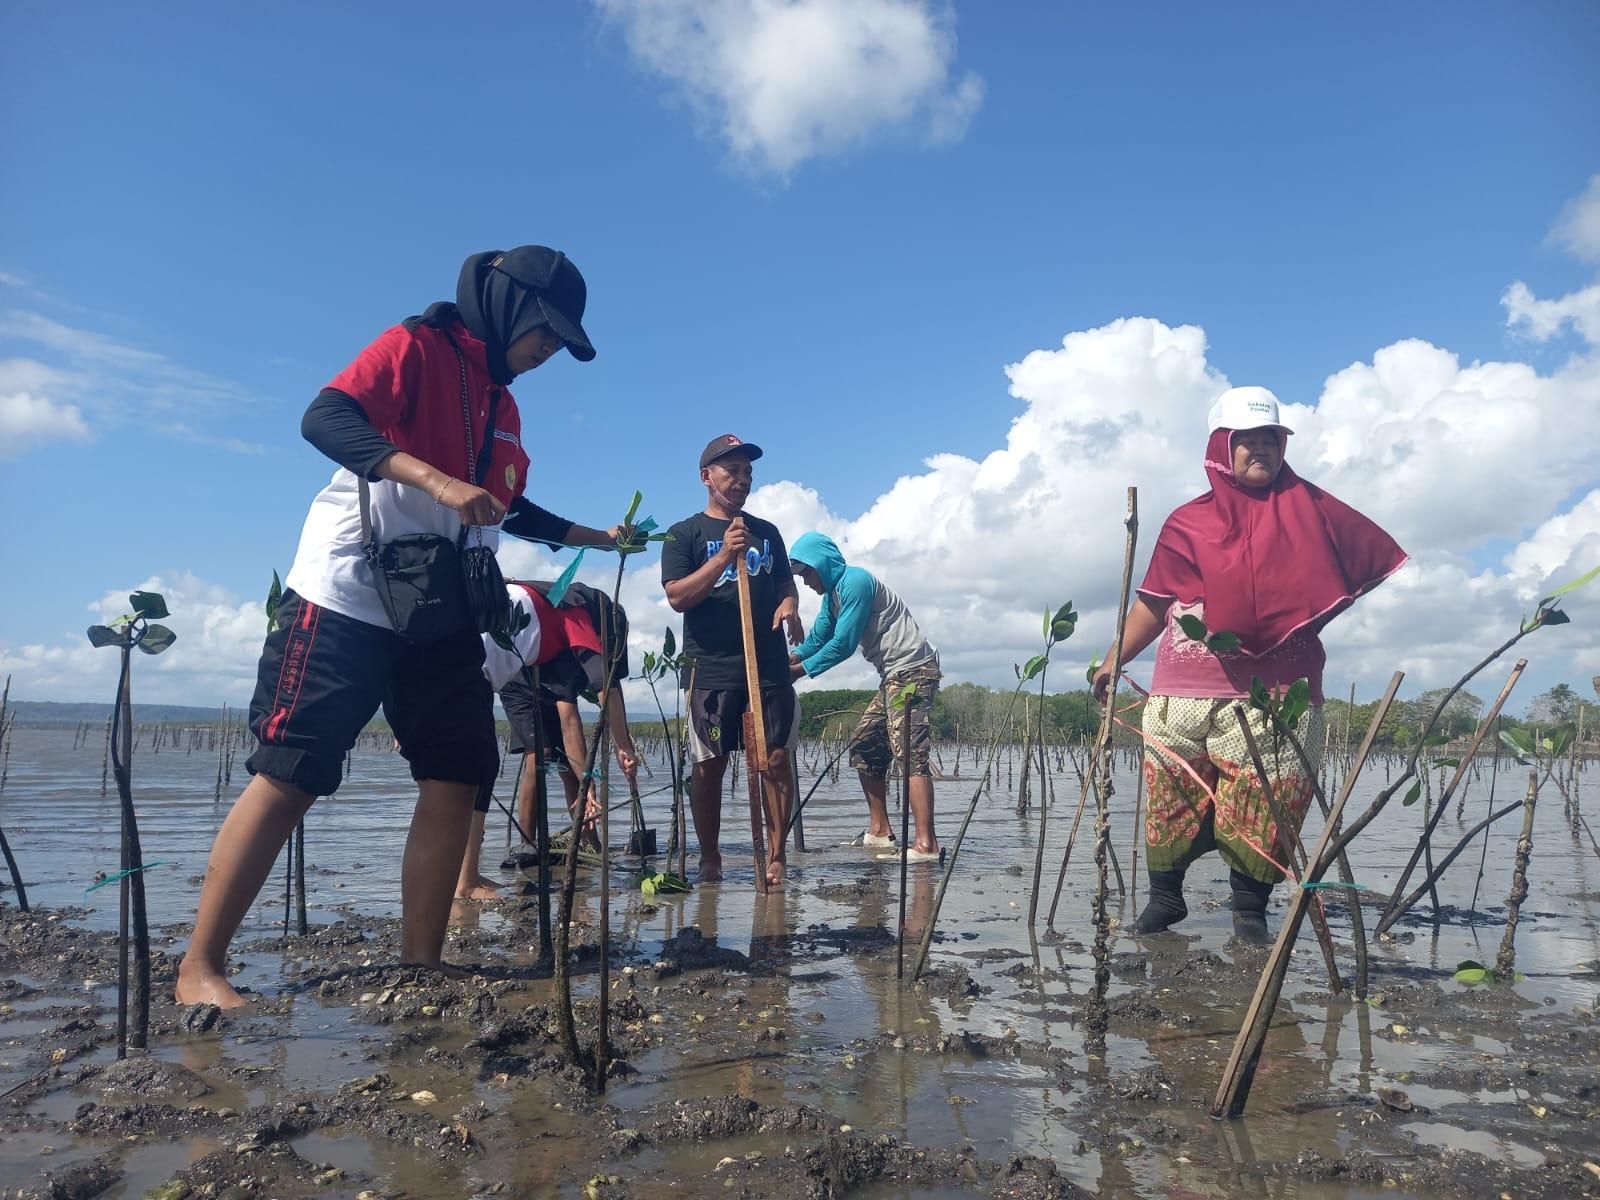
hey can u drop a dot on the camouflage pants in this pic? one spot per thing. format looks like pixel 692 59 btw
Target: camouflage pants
pixel 879 738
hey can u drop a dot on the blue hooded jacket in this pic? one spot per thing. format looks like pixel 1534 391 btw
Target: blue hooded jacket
pixel 858 612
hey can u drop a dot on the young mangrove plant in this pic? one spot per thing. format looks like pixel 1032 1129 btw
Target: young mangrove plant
pixel 136 628
pixel 1055 633
pixel 632 539
pixel 659 665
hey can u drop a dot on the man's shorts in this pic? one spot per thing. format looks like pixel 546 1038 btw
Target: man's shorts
pixel 879 738
pixel 323 675
pixel 523 709
pixel 716 719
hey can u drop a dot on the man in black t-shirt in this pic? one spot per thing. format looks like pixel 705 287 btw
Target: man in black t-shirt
pixel 697 568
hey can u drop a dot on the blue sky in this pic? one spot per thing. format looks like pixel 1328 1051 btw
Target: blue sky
pixel 205 218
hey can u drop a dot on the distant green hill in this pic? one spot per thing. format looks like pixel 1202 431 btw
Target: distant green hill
pixel 58 713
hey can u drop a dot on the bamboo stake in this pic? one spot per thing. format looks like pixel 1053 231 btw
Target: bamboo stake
pixel 755 726
pixel 1289 842
pixel 1233 1091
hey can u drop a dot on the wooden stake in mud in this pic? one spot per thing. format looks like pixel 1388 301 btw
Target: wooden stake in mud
pixel 755 728
pixel 16 874
pixel 906 698
pixel 1234 1089
pixel 301 926
pixel 1288 842
pixel 1505 965
pixel 541 820
pixel 683 755
pixel 1097 1019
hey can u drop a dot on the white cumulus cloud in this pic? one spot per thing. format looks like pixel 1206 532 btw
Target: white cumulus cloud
pixel 31 411
pixel 787 80
pixel 1577 229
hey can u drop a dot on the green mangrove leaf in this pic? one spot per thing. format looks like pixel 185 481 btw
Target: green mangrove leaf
pixel 1577 583
pixel 103 635
pixel 1045 628
pixel 1223 643
pixel 669 643
pixel 1296 702
pixel 1559 740
pixel 149 605
pixel 1412 795
pixel 1035 665
pixel 1474 974
pixel 274 602
pixel 1193 627
pixel 1260 698
pixel 1519 740
pixel 1094 669
pixel 1447 762
pixel 156 639
pixel 1512 744
pixel 1554 616
pixel 1064 613
pixel 638 499
pixel 1062 630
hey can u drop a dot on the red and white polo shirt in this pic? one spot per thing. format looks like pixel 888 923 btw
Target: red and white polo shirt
pixel 407 382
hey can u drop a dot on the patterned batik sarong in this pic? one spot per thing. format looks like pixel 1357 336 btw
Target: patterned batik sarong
pixel 1224 808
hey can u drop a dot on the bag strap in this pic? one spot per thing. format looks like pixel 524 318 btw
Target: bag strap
pixel 367 544
pixel 477 465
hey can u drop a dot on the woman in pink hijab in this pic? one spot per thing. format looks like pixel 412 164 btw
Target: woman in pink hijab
pixel 1270 558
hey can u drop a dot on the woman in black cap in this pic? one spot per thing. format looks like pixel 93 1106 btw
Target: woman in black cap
pixel 423 417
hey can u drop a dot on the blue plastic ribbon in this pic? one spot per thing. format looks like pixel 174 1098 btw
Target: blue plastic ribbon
pixel 121 875
pixel 558 589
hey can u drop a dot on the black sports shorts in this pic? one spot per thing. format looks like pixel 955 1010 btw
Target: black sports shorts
pixel 323 675
pixel 716 719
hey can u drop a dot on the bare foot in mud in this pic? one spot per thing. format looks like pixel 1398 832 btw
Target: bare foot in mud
pixel 480 888
pixel 199 986
pixel 775 870
pixel 710 869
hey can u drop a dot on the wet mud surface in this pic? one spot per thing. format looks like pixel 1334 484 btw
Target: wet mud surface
pixel 763 1047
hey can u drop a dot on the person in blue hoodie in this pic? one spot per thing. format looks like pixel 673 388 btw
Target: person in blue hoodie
pixel 859 612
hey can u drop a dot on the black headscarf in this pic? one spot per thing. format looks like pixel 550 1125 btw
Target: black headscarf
pixel 496 309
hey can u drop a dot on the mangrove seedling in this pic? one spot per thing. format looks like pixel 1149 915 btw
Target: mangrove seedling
pixel 136 628
pixel 1026 674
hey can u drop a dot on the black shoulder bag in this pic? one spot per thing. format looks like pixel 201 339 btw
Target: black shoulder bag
pixel 432 586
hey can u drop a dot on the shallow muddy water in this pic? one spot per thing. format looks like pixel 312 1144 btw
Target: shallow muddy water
pixel 793 1062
